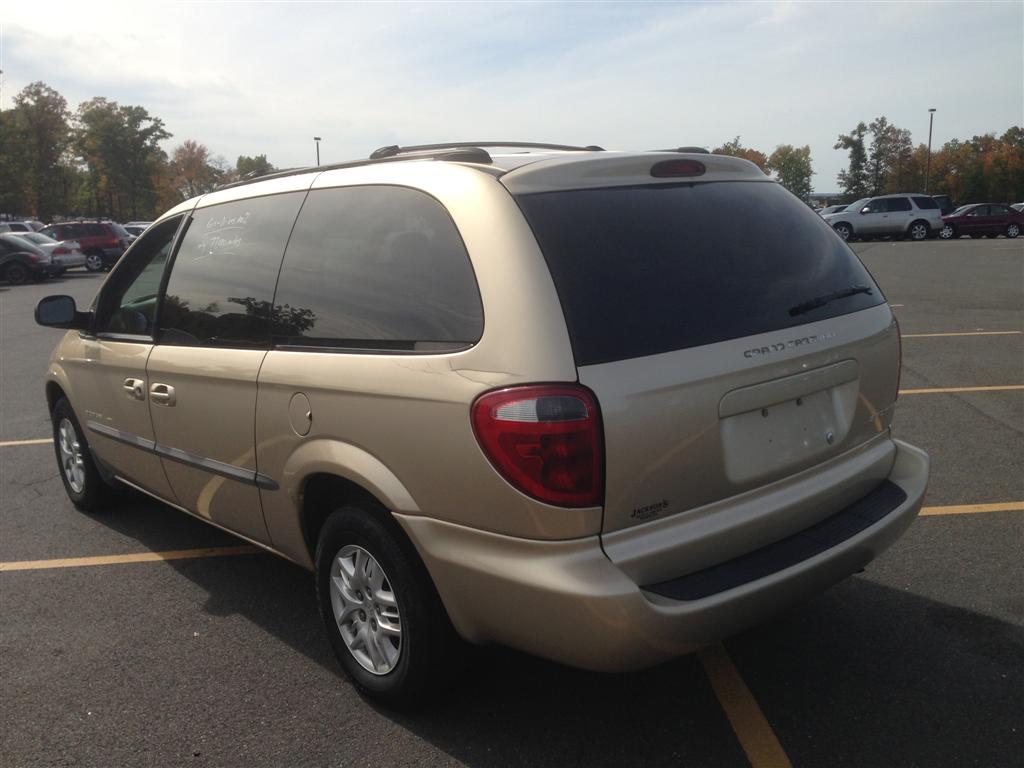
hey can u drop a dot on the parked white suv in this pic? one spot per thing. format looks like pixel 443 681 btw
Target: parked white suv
pixel 904 215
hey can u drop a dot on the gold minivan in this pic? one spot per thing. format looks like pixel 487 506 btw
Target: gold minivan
pixel 602 407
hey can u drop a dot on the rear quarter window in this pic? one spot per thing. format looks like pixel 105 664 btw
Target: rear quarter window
pixel 651 269
pixel 376 268
pixel 926 203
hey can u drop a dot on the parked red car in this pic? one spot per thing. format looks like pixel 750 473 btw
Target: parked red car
pixel 102 242
pixel 983 219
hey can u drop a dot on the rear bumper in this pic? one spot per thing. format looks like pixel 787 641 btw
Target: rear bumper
pixel 565 600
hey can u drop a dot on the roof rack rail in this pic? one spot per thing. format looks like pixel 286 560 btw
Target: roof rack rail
pixel 467 154
pixel 394 149
pixel 698 150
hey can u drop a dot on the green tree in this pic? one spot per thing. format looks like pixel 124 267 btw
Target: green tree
pixel 41 119
pixel 890 151
pixel 735 148
pixel 251 167
pixel 854 180
pixel 792 165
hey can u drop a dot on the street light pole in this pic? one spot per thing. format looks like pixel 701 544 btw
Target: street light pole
pixel 928 166
pixel 317 140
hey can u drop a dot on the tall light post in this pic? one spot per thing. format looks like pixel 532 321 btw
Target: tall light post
pixel 317 140
pixel 928 165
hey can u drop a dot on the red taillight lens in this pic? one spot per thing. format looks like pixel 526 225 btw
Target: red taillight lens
pixel 899 346
pixel 667 169
pixel 545 440
pixel 61 250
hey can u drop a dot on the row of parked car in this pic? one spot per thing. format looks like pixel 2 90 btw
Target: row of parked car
pixel 920 217
pixel 32 251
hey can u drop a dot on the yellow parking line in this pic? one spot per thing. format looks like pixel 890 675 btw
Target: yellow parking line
pixel 970 509
pixel 138 557
pixel 959 333
pixel 40 441
pixel 748 721
pixel 939 390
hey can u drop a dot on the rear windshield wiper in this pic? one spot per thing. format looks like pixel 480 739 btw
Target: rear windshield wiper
pixel 821 301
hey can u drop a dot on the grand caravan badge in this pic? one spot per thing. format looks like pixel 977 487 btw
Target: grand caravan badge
pixel 803 341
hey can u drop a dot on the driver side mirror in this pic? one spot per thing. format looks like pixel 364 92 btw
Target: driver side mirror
pixel 864 210
pixel 61 312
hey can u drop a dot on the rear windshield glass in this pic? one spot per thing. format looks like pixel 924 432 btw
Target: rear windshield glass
pixel 646 270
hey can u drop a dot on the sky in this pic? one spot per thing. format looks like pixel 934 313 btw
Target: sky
pixel 264 78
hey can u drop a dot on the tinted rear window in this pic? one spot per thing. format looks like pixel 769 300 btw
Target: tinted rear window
pixel 896 204
pixel 646 270
pixel 926 204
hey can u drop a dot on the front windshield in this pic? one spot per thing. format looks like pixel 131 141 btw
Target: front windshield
pixel 962 209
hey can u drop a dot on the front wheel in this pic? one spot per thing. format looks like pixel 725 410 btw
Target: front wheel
pixel 85 487
pixel 948 232
pixel 93 262
pixel 382 614
pixel 16 273
pixel 843 230
pixel 1012 230
pixel 919 231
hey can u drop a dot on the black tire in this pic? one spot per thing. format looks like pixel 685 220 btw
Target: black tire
pixel 844 230
pixel 426 655
pixel 95 494
pixel 1012 230
pixel 919 230
pixel 94 262
pixel 16 273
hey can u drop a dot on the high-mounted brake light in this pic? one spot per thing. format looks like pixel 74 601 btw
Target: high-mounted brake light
pixel 545 440
pixel 668 169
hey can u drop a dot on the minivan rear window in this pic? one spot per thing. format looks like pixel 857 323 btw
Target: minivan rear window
pixel 651 269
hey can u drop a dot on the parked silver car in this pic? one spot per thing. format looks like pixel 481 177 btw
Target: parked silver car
pixel 903 215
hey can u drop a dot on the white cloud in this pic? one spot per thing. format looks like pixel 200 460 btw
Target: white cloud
pixel 250 78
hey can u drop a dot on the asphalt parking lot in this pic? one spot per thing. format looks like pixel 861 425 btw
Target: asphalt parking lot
pixel 220 659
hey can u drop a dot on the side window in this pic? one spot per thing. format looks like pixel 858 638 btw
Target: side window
pixel 926 203
pixel 222 281
pixel 128 302
pixel 981 210
pixel 898 204
pixel 876 206
pixel 94 230
pixel 378 268
pixel 998 210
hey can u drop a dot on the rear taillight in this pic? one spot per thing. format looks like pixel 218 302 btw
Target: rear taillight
pixel 33 257
pixel 545 440
pixel 61 250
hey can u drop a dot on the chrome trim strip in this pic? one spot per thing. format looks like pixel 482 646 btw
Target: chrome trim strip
pixel 247 476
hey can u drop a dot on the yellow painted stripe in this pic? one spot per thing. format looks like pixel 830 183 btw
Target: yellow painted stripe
pixel 972 509
pixel 748 721
pixel 40 441
pixel 940 390
pixel 959 333
pixel 138 557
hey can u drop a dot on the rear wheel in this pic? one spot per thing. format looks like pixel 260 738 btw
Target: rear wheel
pixel 93 262
pixel 16 273
pixel 1012 230
pixel 948 232
pixel 843 230
pixel 919 230
pixel 382 614
pixel 83 483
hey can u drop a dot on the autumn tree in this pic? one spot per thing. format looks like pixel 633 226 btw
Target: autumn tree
pixel 192 170
pixel 854 180
pixel 735 148
pixel 792 166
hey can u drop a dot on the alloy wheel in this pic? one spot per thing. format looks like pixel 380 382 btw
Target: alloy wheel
pixel 947 232
pixel 71 455
pixel 366 610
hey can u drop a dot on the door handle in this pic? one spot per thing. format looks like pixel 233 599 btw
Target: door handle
pixel 162 394
pixel 136 388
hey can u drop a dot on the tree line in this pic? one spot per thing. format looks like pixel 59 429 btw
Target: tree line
pixel 105 159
